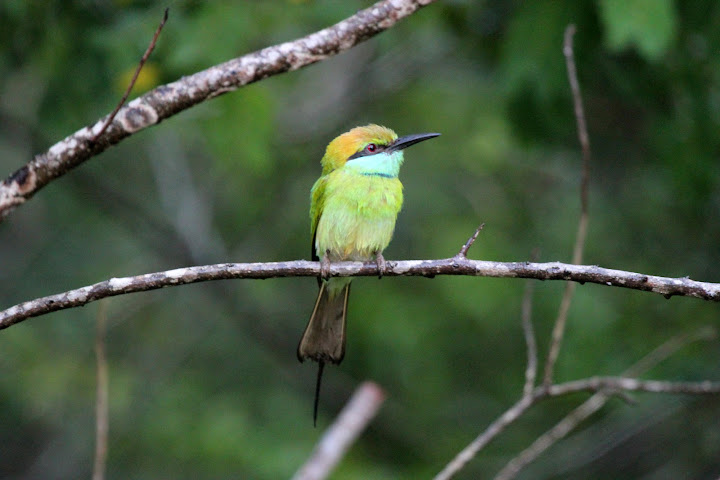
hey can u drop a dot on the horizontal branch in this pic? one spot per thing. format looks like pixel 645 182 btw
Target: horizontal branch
pixel 458 265
pixel 626 384
pixel 167 100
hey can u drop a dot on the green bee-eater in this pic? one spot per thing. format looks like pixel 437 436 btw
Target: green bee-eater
pixel 353 207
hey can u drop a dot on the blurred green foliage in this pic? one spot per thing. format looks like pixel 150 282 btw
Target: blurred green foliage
pixel 203 378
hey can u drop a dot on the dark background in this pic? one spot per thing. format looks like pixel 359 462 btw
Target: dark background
pixel 204 382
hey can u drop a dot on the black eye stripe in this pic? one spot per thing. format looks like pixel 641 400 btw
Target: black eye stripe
pixel 364 152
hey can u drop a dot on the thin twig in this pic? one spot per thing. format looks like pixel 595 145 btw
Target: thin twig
pixel 353 419
pixel 495 428
pixel 101 401
pixel 583 136
pixel 668 349
pixel 549 438
pixel 301 268
pixel 596 402
pixel 465 248
pixel 144 59
pixel 607 385
pixel 559 328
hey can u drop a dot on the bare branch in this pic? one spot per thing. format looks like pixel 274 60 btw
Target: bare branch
pixel 584 138
pixel 302 268
pixel 582 131
pixel 549 438
pixel 469 452
pixel 602 386
pixel 626 384
pixel 464 249
pixel 606 385
pixel 167 100
pixel 596 402
pixel 558 332
pixel 353 419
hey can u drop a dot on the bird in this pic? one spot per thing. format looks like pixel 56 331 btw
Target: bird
pixel 353 208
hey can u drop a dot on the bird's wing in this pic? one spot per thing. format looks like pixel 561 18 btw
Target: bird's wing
pixel 317 204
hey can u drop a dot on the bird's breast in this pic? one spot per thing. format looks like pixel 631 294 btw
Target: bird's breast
pixel 358 218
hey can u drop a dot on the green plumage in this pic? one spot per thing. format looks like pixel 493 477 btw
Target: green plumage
pixel 353 208
pixel 356 214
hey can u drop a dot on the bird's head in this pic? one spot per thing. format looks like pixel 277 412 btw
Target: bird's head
pixel 369 148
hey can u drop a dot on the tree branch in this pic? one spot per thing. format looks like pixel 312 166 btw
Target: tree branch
pixel 167 100
pixel 626 384
pixel 549 438
pixel 469 452
pixel 465 248
pixel 302 268
pixel 596 402
pixel 360 409
pixel 603 385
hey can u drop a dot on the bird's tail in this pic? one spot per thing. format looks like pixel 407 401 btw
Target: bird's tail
pixel 324 336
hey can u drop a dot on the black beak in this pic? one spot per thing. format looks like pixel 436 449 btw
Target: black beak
pixel 407 140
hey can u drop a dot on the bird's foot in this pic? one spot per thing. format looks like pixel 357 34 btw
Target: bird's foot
pixel 325 267
pixel 381 264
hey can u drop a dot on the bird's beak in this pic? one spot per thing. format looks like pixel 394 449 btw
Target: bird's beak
pixel 407 140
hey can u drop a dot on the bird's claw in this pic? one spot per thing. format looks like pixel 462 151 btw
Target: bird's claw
pixel 325 267
pixel 381 264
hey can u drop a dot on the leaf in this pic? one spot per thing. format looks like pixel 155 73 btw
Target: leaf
pixel 649 26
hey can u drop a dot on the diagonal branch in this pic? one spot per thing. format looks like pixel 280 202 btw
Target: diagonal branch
pixel 360 409
pixel 465 248
pixel 596 402
pixel 598 385
pixel 167 100
pixel 594 384
pixel 665 286
pixel 492 431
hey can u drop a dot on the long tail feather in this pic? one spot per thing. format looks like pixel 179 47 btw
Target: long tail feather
pixel 324 336
pixel 321 366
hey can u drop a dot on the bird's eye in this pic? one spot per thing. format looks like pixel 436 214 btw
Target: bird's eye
pixel 371 147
